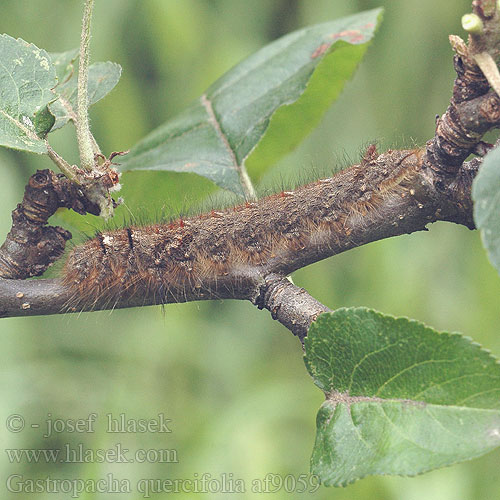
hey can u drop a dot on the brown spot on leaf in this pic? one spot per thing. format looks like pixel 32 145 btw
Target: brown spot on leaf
pixel 320 50
pixel 353 36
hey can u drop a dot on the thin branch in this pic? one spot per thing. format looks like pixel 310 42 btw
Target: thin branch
pixel 474 108
pixel 30 296
pixel 95 180
pixel 68 170
pixel 292 306
pixel 74 120
pixel 387 195
pixel 85 143
pixel 247 252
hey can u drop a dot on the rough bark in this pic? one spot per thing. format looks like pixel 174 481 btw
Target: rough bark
pixel 247 252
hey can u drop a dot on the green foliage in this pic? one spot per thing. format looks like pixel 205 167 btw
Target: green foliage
pixel 63 62
pixel 486 196
pixel 293 121
pixel 43 122
pixel 401 398
pixel 26 79
pixel 103 77
pixel 290 83
pixel 31 105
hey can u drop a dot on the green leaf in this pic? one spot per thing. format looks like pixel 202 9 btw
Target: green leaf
pixel 43 122
pixel 27 76
pixel 486 196
pixel 401 398
pixel 63 62
pixel 103 77
pixel 281 91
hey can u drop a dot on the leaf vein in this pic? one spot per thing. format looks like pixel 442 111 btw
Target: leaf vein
pixel 207 104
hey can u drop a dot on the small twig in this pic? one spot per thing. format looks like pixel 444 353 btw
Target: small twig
pixel 64 166
pixel 85 142
pixel 74 119
pixel 292 306
pixel 95 184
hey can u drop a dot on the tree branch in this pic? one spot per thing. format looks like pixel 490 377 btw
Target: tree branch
pixel 31 246
pixel 386 195
pixel 292 306
pixel 246 252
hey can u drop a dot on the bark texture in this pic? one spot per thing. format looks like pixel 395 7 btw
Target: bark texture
pixel 246 252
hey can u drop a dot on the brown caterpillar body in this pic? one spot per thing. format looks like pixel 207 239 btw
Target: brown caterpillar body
pixel 280 233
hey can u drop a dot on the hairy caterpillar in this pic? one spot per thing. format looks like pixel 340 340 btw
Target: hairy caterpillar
pixel 212 252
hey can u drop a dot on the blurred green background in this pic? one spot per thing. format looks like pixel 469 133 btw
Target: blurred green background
pixel 232 380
